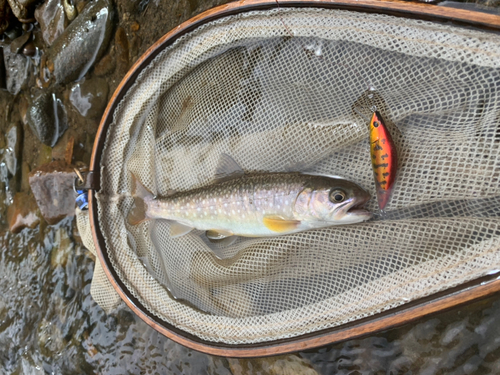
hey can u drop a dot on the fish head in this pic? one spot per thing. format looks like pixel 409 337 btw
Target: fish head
pixel 333 201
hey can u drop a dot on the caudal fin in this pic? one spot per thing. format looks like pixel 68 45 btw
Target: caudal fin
pixel 137 213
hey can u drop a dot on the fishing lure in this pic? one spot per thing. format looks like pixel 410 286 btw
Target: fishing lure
pixel 384 159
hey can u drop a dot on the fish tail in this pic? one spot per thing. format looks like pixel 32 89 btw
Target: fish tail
pixel 137 213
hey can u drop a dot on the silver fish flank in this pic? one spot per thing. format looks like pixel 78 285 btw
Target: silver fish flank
pixel 258 205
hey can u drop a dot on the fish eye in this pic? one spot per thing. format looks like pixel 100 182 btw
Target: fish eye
pixel 376 124
pixel 337 196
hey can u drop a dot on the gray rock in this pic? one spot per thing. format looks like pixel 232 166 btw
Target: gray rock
pixel 90 97
pixel 52 20
pixel 12 152
pixel 52 186
pixel 46 117
pixel 82 43
pixel 17 44
pixel 16 70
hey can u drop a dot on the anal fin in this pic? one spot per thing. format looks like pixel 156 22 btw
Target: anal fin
pixel 177 229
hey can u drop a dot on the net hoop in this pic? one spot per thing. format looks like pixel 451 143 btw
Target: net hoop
pixel 479 288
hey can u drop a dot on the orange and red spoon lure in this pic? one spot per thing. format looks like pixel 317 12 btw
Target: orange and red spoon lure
pixel 384 159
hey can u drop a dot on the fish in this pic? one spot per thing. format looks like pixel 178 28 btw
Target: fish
pixel 384 159
pixel 253 205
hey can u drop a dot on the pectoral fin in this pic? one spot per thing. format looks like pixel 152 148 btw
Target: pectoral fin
pixel 178 229
pixel 279 224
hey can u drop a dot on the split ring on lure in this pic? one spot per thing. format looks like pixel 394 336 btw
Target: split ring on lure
pixel 384 158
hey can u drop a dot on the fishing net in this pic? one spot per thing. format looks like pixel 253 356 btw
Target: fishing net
pixel 289 89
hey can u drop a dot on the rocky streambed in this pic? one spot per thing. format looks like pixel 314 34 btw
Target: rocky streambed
pixel 62 60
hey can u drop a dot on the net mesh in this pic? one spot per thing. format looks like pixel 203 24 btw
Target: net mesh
pixel 244 86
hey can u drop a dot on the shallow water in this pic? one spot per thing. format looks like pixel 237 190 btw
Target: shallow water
pixel 49 323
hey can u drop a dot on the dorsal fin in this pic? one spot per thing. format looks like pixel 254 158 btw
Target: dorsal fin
pixel 227 169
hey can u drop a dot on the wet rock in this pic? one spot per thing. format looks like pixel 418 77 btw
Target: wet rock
pixel 23 109
pixel 25 171
pixel 16 70
pixel 90 97
pixel 3 78
pixel 44 155
pixel 70 10
pixel 14 31
pixel 82 43
pixel 18 9
pixel 12 152
pixel 64 149
pixel 52 186
pixel 17 44
pixel 135 45
pixel 80 5
pixel 105 66
pixel 52 19
pixel 22 213
pixel 5 13
pixel 63 249
pixel 122 50
pixel 281 365
pixel 131 6
pixel 46 117
pixel 135 26
pixel 29 49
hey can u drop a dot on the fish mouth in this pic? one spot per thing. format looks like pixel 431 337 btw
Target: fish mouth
pixel 357 208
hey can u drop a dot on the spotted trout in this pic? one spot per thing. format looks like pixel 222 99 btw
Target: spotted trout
pixel 255 205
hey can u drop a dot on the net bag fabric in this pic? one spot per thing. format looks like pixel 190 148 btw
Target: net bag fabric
pixel 276 90
pixel 101 289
